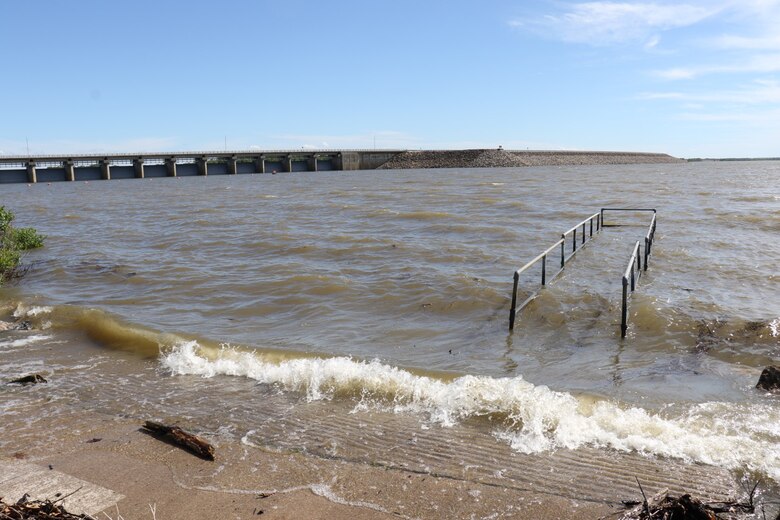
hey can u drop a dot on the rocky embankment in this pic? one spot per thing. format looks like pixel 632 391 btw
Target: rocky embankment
pixel 508 158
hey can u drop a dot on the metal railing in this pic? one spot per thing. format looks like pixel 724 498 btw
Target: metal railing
pixel 586 236
pixel 637 263
pixel 635 266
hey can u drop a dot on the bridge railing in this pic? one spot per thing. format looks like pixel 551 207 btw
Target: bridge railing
pixel 586 229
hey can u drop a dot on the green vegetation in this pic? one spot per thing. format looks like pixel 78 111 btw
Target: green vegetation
pixel 13 241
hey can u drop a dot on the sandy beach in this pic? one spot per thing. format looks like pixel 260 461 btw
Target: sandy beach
pixel 244 483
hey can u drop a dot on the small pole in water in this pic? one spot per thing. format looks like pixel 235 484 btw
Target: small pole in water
pixel 512 311
pixel 624 310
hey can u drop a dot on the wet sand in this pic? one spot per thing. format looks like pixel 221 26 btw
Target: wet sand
pixel 147 471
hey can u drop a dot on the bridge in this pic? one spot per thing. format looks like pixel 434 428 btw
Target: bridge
pixel 86 167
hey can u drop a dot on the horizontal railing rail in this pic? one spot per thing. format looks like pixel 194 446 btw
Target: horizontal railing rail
pixel 586 235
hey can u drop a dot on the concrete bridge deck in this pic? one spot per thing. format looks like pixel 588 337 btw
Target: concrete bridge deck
pixel 76 167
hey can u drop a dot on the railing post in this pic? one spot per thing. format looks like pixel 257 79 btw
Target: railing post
pixel 512 311
pixel 624 310
pixel 633 278
pixel 647 251
pixel 583 233
pixel 544 270
pixel 574 240
pixel 563 250
pixel 591 226
pixel 639 260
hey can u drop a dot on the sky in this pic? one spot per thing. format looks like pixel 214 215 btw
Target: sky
pixel 692 79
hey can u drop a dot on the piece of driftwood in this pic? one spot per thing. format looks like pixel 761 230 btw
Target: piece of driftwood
pixel 32 379
pixel 181 438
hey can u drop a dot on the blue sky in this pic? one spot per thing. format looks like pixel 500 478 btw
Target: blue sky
pixel 694 79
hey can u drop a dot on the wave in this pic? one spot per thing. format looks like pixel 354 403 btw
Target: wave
pixel 534 418
pixel 530 418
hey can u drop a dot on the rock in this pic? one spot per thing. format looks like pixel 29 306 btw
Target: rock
pixel 32 379
pixel 19 325
pixel 22 325
pixel 770 379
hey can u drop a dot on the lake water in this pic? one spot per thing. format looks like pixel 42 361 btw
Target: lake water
pixel 364 315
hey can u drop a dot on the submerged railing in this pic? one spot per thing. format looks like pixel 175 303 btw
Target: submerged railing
pixel 639 258
pixel 585 237
pixel 634 269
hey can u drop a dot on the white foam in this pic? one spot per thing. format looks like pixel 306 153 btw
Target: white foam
pixel 723 434
pixel 22 311
pixel 21 342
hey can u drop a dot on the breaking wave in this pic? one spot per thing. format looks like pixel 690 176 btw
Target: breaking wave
pixel 532 418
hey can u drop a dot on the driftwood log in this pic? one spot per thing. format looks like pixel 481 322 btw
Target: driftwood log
pixel 181 438
pixel 32 379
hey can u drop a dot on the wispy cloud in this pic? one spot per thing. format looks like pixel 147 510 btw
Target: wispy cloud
pixel 603 23
pixel 758 92
pixel 761 63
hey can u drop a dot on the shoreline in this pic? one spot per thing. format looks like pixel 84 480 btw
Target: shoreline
pixel 134 471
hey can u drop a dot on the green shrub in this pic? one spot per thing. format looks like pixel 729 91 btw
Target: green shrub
pixel 12 242
pixel 9 260
pixel 26 238
pixel 6 217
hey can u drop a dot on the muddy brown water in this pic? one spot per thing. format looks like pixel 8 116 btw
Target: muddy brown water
pixel 363 315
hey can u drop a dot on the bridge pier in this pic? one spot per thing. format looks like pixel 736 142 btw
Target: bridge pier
pixel 105 169
pixel 232 165
pixel 170 164
pixel 138 165
pixel 312 163
pixel 70 171
pixel 260 164
pixel 203 166
pixel 287 163
pixel 32 175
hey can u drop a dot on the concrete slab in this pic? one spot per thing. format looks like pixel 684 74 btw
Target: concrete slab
pixel 18 478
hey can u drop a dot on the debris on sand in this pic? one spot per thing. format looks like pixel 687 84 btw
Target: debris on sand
pixel 25 509
pixel 177 436
pixel 665 506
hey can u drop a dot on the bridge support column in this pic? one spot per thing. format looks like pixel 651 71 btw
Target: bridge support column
pixel 260 164
pixel 170 164
pixel 232 165
pixel 337 163
pixel 287 164
pixel 105 169
pixel 70 170
pixel 138 165
pixel 203 166
pixel 312 163
pixel 32 175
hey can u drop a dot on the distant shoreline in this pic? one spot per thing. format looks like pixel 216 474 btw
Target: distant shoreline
pixel 500 158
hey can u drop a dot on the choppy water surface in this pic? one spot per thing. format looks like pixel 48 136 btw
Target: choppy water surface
pixel 388 293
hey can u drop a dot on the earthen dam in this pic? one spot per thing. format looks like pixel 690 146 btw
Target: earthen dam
pixel 88 167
